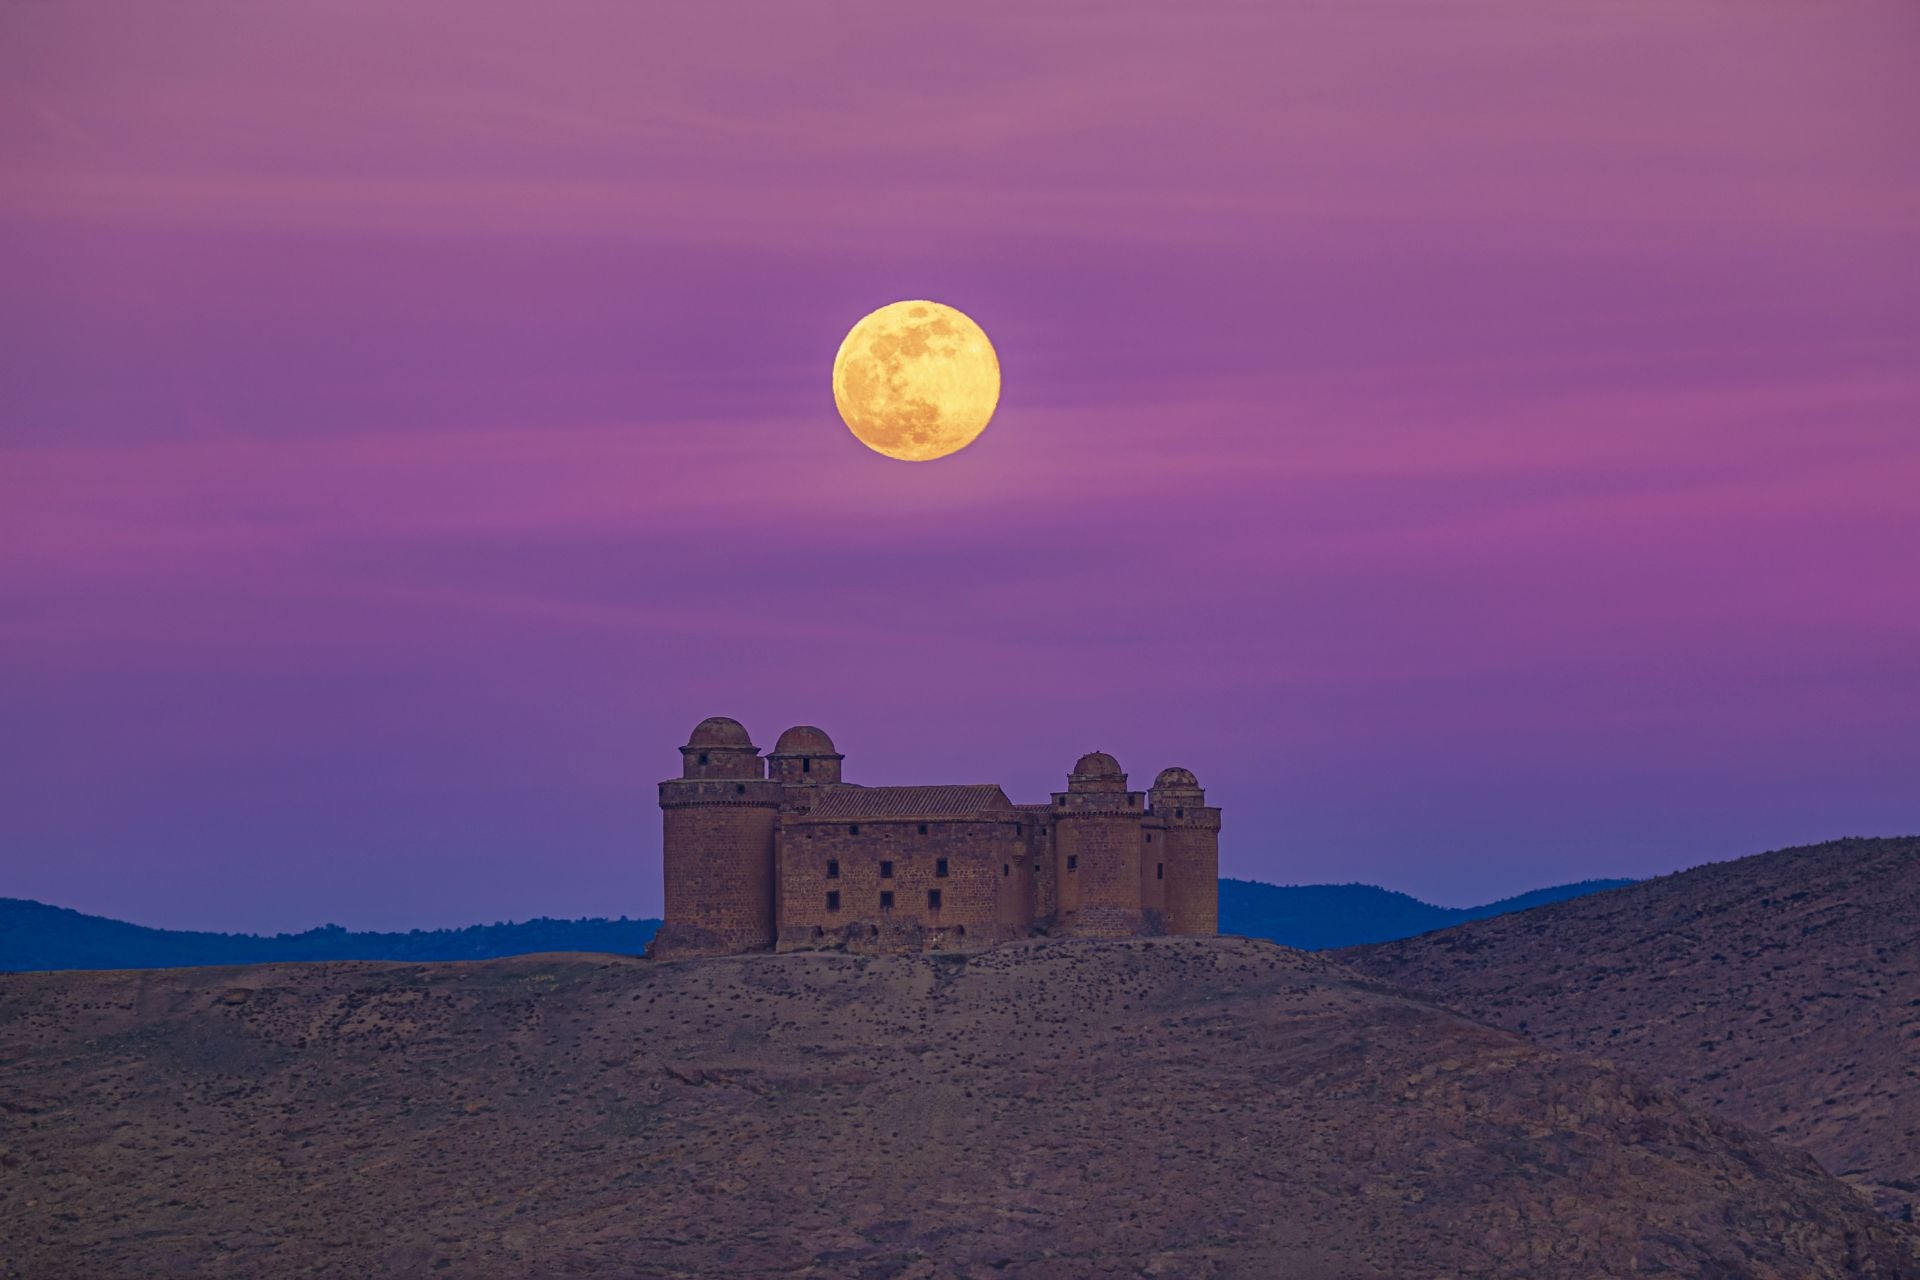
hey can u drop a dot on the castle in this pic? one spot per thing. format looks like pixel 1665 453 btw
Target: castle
pixel 780 852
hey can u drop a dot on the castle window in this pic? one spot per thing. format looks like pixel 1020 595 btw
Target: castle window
pixel 1006 869
pixel 886 871
pixel 1036 868
pixel 854 830
pixel 940 867
pixel 933 899
pixel 1179 813
pixel 923 828
pixel 739 788
pixel 833 899
pixel 1159 871
pixel 833 868
pixel 1149 837
pixel 1132 799
pixel 703 757
pixel 806 764
pixel 1073 862
pixel 886 899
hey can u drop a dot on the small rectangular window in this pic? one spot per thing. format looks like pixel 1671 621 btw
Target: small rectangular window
pixel 1132 799
pixel 806 764
pixel 886 871
pixel 833 868
pixel 1149 837
pixel 1073 862
pixel 1159 871
pixel 703 757
pixel 1179 813
pixel 739 788
pixel 933 899
pixel 1036 868
pixel 923 828
pixel 854 830
pixel 886 899
pixel 940 867
pixel 833 899
pixel 1006 869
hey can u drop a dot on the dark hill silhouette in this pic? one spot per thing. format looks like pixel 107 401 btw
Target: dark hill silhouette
pixel 1315 917
pixel 1782 990
pixel 36 936
pixel 1174 1107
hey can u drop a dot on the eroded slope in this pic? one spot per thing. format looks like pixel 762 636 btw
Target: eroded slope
pixel 1782 990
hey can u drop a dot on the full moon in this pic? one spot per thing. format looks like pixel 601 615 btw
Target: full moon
pixel 916 380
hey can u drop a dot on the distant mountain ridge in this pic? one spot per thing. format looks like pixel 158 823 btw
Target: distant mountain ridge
pixel 36 936
pixel 1317 917
pixel 1312 917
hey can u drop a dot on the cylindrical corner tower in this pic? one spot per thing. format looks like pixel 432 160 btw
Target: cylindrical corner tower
pixel 716 849
pixel 1191 832
pixel 804 755
pixel 1097 845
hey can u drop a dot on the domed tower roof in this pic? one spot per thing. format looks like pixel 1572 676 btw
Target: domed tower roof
pixel 1175 778
pixel 805 754
pixel 720 748
pixel 1097 771
pixel 804 740
pixel 1097 764
pixel 720 731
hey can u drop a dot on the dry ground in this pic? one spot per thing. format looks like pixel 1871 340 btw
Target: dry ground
pixel 1173 1107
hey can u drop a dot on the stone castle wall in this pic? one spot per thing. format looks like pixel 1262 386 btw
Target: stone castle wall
pixel 1099 868
pixel 1036 833
pixel 1192 855
pixel 717 859
pixel 1153 866
pixel 972 865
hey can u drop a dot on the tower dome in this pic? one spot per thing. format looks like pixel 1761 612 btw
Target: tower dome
pixel 803 740
pixel 720 748
pixel 804 754
pixel 720 731
pixel 1174 778
pixel 1097 771
pixel 1097 764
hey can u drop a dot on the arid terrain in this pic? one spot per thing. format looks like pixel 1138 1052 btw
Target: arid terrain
pixel 1174 1107
pixel 1781 991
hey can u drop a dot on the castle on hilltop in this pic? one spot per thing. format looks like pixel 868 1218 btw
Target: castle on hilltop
pixel 779 852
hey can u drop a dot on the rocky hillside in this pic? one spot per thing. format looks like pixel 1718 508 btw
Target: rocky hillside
pixel 1781 990
pixel 1173 1107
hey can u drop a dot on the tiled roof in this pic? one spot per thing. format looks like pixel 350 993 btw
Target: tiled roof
pixel 841 803
pixel 1045 806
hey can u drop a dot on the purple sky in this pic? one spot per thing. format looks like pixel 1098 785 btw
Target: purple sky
pixel 1482 441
